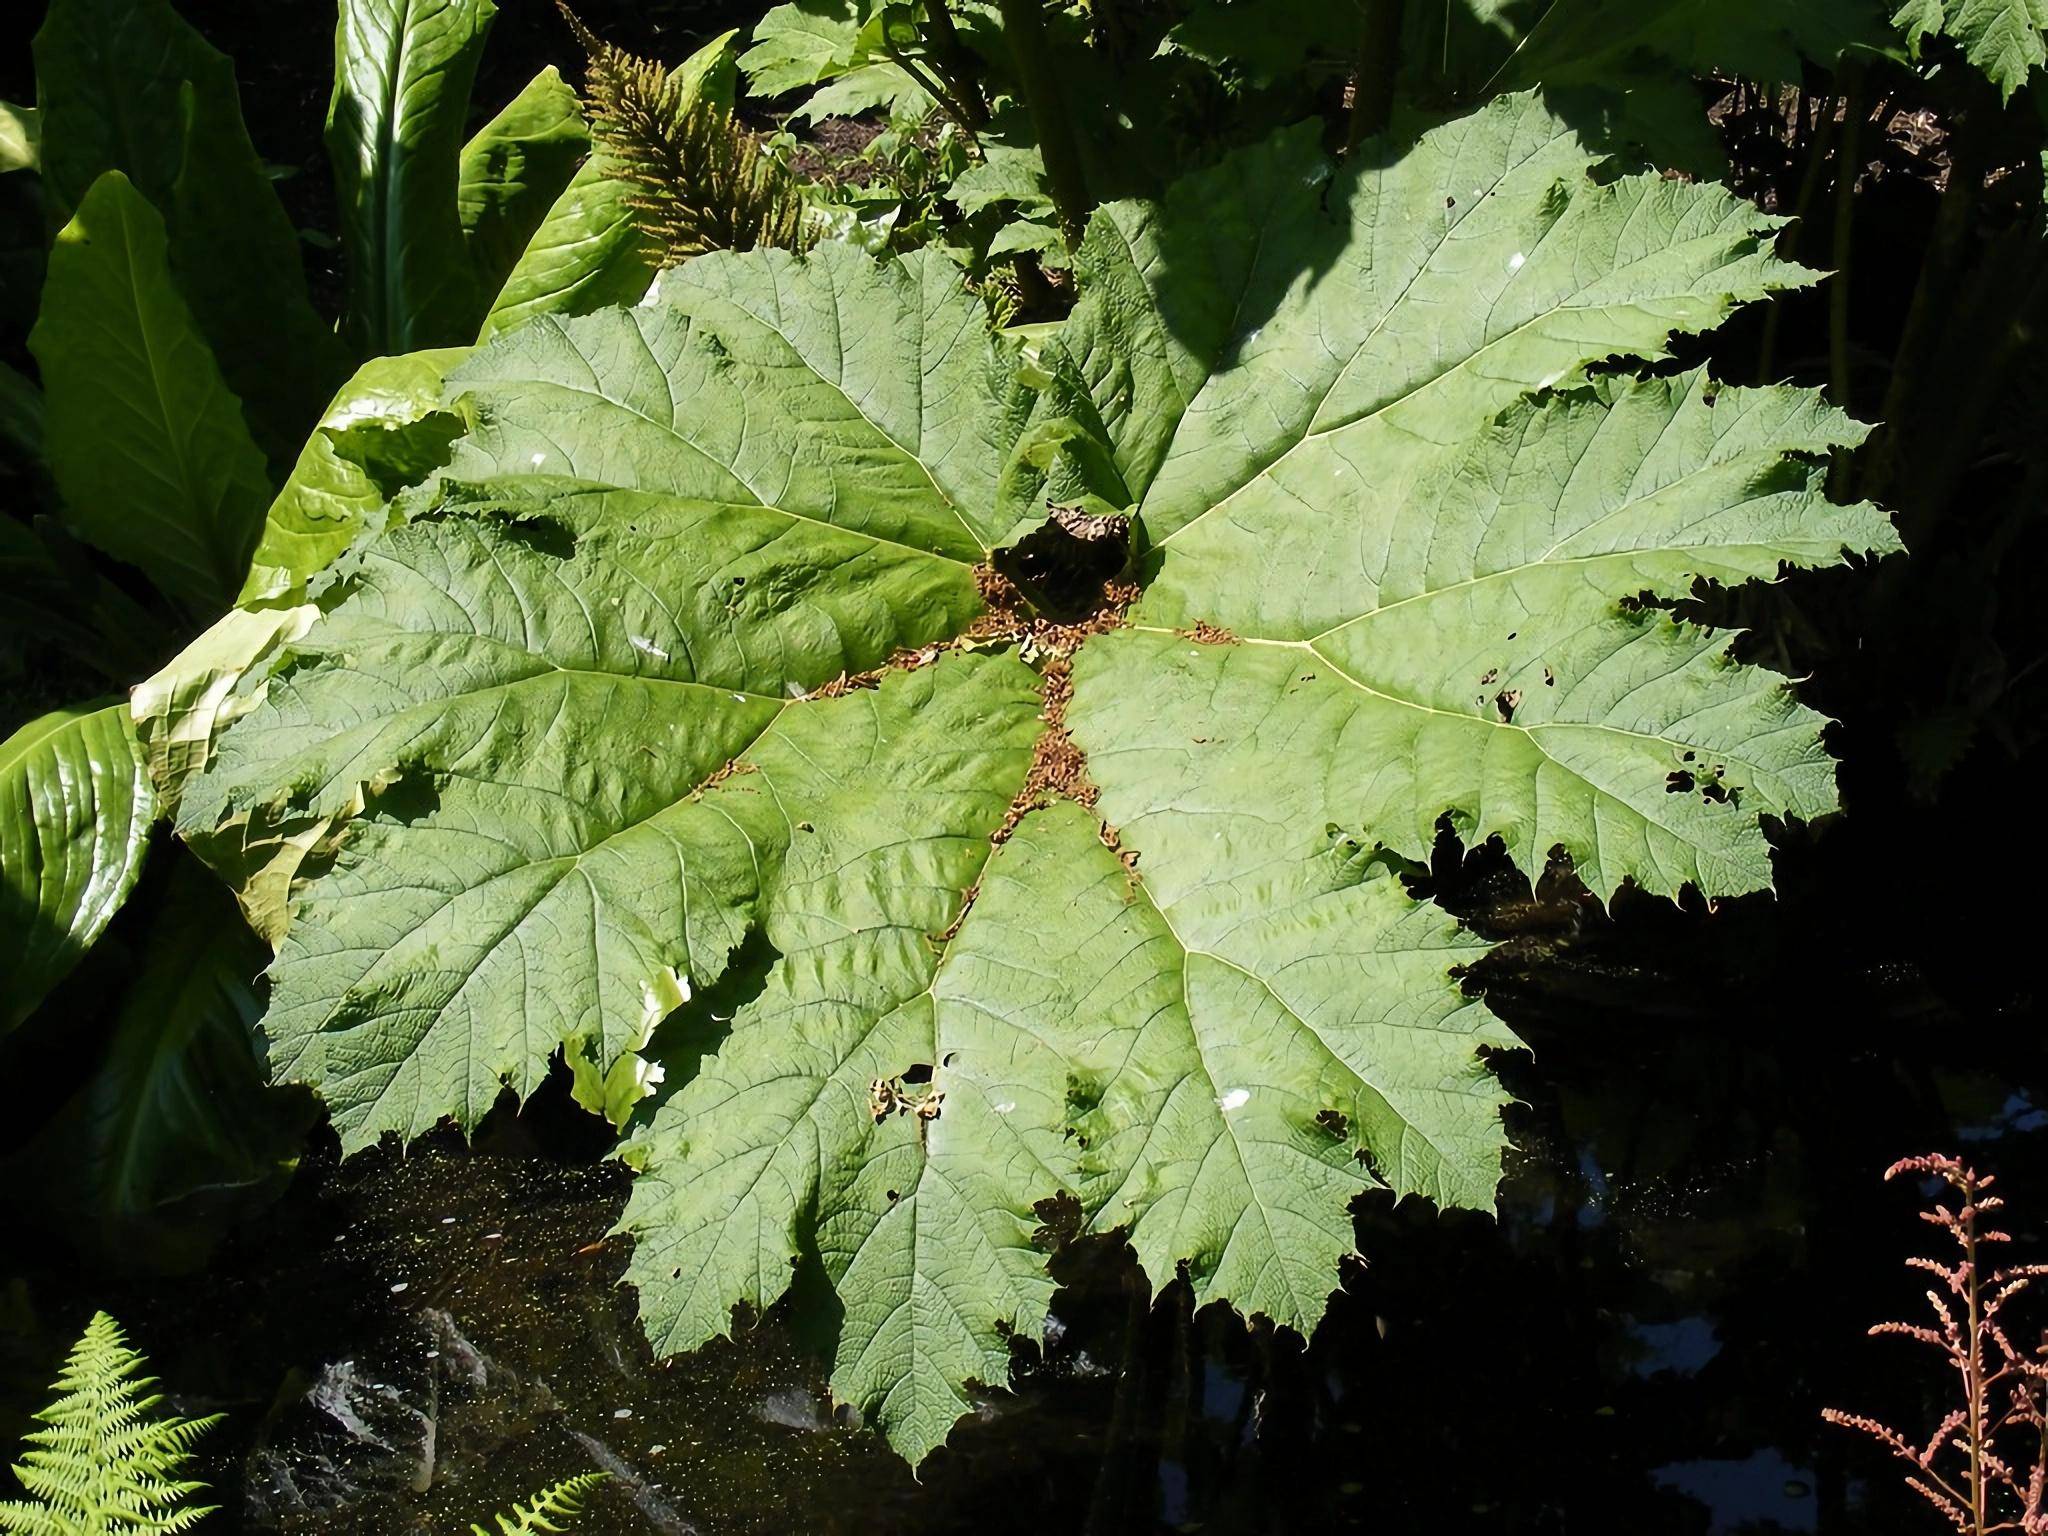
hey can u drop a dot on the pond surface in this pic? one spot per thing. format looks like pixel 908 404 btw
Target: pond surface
pixel 1691 1241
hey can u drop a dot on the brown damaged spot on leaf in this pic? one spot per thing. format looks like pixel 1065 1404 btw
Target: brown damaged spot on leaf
pixel 1128 857
pixel 848 682
pixel 1058 767
pixel 1059 770
pixel 906 660
pixel 731 768
pixel 947 934
pixel 1010 618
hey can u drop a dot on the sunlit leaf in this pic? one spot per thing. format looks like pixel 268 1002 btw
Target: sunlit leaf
pixel 694 677
pixel 402 75
pixel 512 171
pixel 75 814
pixel 384 430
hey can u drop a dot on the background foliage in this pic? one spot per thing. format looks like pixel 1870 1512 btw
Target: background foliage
pixel 1111 187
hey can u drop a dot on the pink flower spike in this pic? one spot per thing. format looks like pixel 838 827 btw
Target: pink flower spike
pixel 1984 1466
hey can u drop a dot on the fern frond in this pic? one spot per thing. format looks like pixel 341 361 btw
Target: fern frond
pixel 104 1463
pixel 559 1501
pixel 701 182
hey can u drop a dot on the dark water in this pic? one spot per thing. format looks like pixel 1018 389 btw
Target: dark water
pixel 1691 1240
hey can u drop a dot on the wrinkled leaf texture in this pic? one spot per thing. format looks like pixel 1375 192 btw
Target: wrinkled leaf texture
pixel 2007 39
pixel 572 707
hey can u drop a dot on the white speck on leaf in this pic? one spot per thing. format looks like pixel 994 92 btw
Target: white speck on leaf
pixel 1237 1098
pixel 648 648
pixel 539 459
pixel 1515 262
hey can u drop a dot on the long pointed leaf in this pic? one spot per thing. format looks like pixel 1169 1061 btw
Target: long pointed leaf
pixel 513 170
pixel 142 436
pixel 75 812
pixel 127 85
pixel 177 1131
pixel 402 73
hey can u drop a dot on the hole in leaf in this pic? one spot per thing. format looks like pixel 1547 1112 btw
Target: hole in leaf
pixel 1059 1218
pixel 1064 565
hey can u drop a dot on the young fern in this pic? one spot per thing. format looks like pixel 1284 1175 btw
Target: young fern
pixel 558 1501
pixel 104 1463
pixel 702 182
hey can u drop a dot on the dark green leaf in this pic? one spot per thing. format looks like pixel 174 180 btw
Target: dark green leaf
pixel 126 85
pixel 143 438
pixel 142 435
pixel 75 813
pixel 178 1130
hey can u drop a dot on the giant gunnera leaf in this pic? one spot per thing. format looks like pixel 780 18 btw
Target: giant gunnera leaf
pixel 1026 742
pixel 2007 39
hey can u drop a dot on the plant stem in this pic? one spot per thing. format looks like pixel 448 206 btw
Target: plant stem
pixel 1809 184
pixel 1024 30
pixel 954 107
pixel 1938 295
pixel 1847 166
pixel 1976 1375
pixel 1108 27
pixel 955 65
pixel 1379 61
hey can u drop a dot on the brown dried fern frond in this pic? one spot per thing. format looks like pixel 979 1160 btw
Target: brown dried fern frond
pixel 701 182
